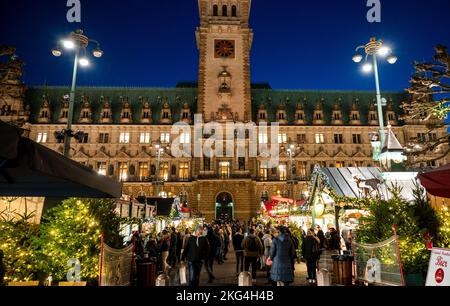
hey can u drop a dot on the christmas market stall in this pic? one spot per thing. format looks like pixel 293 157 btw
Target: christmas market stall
pixel 337 195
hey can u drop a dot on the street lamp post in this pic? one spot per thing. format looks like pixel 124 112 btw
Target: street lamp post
pixel 292 180
pixel 78 42
pixel 376 48
pixel 158 162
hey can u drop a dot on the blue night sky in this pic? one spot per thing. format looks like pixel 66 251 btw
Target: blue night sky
pixel 298 44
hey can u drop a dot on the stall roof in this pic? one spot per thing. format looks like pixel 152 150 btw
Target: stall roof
pixel 437 181
pixel 30 169
pixel 343 182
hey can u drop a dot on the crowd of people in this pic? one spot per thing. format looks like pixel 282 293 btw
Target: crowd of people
pixel 274 250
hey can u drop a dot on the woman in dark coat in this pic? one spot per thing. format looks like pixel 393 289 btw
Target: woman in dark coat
pixel 281 253
pixel 310 250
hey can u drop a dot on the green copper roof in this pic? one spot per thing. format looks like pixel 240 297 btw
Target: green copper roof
pixel 176 97
pixel 273 98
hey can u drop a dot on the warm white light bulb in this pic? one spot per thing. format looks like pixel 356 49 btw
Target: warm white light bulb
pixel 68 44
pixel 367 68
pixel 384 51
pixel 84 62
pixel 357 58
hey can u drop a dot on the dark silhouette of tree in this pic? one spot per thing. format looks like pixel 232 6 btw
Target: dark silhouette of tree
pixel 429 103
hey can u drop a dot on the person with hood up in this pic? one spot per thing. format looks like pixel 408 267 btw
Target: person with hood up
pixel 282 253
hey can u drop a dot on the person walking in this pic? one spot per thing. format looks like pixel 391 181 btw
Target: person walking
pixel 239 251
pixel 173 247
pixel 267 242
pixel 282 253
pixel 186 236
pixel 310 251
pixel 164 249
pixel 253 248
pixel 219 253
pixel 214 244
pixel 226 242
pixel 320 234
pixel 333 238
pixel 196 253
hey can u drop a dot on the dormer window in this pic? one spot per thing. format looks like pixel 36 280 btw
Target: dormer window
pixel 355 117
pixel 281 116
pixel 146 115
pixel 337 116
pixel 185 115
pixel 85 114
pixel 318 116
pixel 165 115
pixel 126 115
pixel 391 117
pixel 44 114
pixel 262 116
pixel 105 115
pixel 373 117
pixel 299 116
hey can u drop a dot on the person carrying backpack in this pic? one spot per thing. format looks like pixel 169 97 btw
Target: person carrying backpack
pixel 253 249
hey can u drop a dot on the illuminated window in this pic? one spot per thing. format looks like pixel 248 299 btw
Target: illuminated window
pixel 143 171
pixel 282 170
pixel 185 138
pixel 340 164
pixel 263 172
pixel 101 168
pixel 123 171
pixel 42 138
pixel 163 194
pixel 184 171
pixel 144 138
pixel 124 138
pixel 320 138
pixel 263 138
pixel 303 169
pixel 164 172
pixel 224 170
pixel 282 138
pixel 165 137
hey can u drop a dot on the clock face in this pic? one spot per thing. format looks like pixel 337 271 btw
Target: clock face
pixel 224 48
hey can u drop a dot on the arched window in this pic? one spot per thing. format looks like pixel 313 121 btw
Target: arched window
pixel 224 11
pixel 215 10
pixel 234 11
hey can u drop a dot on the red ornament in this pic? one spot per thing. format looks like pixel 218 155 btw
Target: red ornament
pixel 439 276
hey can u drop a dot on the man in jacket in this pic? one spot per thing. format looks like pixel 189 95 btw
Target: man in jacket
pixel 239 251
pixel 196 252
pixel 253 248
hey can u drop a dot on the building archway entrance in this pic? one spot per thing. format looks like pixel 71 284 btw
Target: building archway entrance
pixel 224 207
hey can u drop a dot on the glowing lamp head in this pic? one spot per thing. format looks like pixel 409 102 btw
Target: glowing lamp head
pixel 367 68
pixel 357 58
pixel 97 52
pixel 384 51
pixel 392 59
pixel 68 44
pixel 84 62
pixel 56 52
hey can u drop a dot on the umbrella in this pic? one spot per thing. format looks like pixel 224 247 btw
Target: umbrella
pixel 437 181
pixel 28 169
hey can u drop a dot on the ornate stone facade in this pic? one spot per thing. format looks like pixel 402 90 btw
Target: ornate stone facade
pixel 124 125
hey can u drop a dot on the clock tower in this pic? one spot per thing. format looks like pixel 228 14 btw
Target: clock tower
pixel 224 40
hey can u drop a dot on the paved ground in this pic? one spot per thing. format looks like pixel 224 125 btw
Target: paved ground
pixel 226 275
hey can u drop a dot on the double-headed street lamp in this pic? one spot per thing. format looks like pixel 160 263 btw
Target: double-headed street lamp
pixel 79 43
pixel 376 48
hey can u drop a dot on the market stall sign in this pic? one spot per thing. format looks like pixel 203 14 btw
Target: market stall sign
pixel 439 268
